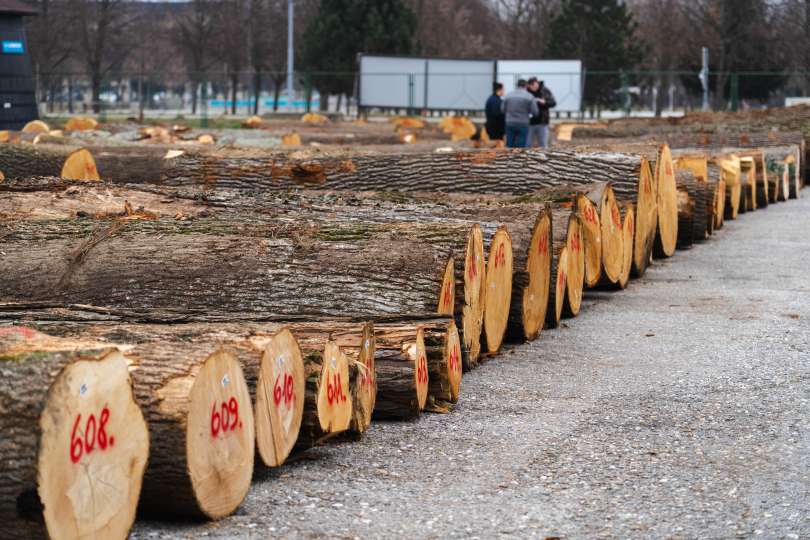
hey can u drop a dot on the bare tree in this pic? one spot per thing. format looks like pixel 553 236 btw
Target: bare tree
pixel 194 37
pixel 101 27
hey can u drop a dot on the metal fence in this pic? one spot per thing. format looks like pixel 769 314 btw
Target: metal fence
pixel 605 93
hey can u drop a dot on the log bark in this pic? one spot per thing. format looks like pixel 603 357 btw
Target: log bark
pixel 694 212
pixel 402 372
pixel 75 443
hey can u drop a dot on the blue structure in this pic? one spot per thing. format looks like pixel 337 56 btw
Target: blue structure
pixel 18 104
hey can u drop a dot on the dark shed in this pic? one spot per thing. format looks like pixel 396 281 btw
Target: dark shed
pixel 18 104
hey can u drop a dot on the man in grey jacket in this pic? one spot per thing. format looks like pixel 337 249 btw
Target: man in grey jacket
pixel 518 106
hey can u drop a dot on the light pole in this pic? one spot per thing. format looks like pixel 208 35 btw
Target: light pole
pixel 290 58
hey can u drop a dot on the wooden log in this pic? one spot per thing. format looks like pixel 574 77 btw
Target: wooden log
pixel 748 184
pixel 628 232
pixel 74 442
pixel 667 234
pixel 611 236
pixel 568 267
pixel 402 371
pixel 443 354
pixel 328 401
pixel 716 178
pixel 498 287
pixel 695 211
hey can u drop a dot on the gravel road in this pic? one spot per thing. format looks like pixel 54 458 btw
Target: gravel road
pixel 678 408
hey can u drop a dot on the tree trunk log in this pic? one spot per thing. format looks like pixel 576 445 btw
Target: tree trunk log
pixel 328 400
pixel 402 372
pixel 568 267
pixel 75 443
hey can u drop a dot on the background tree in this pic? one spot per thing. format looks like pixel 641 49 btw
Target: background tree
pixel 194 36
pixel 602 33
pixel 101 39
pixel 345 28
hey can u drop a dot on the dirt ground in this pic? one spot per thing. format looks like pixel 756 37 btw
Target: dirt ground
pixel 678 408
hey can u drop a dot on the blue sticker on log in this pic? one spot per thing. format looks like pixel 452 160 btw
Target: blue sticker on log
pixel 13 47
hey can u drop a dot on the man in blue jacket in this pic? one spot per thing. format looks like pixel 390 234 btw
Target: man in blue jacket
pixel 518 106
pixel 495 125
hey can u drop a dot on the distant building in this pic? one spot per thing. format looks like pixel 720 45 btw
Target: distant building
pixel 18 103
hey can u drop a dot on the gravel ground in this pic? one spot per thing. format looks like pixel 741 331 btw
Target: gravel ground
pixel 678 408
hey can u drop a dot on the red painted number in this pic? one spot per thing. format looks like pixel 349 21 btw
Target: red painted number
pixel 94 436
pixel 225 417
pixel 590 214
pixel 455 365
pixel 283 390
pixel 447 299
pixel 500 257
pixel 472 272
pixel 560 280
pixel 542 245
pixel 647 185
pixel 575 243
pixel 616 218
pixel 421 371
pixel 334 390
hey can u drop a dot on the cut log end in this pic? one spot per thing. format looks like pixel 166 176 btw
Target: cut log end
pixel 559 272
pixel 646 220
pixel 472 316
pixel 447 293
pixel 575 275
pixel 279 398
pixel 538 267
pixel 453 354
pixel 592 236
pixel 220 440
pixel 612 237
pixel 667 236
pixel 628 233
pixel 80 165
pixel 498 289
pixel 92 452
pixel 364 382
pixel 334 405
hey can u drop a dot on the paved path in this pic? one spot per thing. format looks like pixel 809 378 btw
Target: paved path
pixel 678 408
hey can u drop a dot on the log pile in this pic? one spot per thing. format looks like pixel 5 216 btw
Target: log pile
pixel 174 318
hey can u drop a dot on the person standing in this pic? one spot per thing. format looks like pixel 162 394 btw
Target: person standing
pixel 518 106
pixel 495 124
pixel 538 125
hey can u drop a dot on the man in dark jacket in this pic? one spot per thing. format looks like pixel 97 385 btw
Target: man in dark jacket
pixel 496 123
pixel 538 125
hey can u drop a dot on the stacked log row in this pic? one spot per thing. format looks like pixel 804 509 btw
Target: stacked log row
pixel 74 444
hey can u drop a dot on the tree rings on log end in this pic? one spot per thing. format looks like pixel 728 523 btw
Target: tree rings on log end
pixel 447 294
pixel 80 165
pixel 498 293
pixel 667 236
pixel 416 351
pixel 472 315
pixel 364 382
pixel 220 435
pixel 628 232
pixel 538 266
pixel 592 235
pixel 575 279
pixel 334 405
pixel 279 398
pixel 646 219
pixel 92 452
pixel 612 236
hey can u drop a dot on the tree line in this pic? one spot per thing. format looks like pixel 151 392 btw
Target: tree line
pixel 231 40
